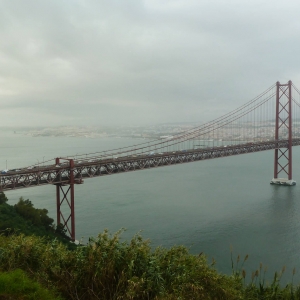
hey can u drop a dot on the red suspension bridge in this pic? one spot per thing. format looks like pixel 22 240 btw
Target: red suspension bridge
pixel 269 121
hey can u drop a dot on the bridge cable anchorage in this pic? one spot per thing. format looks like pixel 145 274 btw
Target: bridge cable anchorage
pixel 283 127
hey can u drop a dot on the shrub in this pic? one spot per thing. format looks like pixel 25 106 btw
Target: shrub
pixel 16 285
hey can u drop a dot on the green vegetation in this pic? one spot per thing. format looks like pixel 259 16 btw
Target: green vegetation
pixel 17 286
pixel 3 198
pixel 38 217
pixel 36 267
pixel 24 218
pixel 107 268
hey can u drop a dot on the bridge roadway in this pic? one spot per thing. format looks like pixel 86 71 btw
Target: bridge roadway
pixel 60 174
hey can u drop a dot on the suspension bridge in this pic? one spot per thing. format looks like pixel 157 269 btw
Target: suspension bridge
pixel 267 122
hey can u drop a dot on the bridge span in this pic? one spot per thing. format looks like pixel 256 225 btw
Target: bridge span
pixel 62 171
pixel 270 121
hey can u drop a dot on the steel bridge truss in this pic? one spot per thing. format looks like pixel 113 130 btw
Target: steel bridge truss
pixel 75 173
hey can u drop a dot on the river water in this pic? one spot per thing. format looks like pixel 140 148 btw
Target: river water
pixel 208 206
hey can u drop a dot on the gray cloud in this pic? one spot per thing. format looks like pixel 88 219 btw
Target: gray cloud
pixel 130 62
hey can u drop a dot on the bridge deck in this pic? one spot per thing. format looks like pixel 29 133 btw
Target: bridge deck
pixel 53 174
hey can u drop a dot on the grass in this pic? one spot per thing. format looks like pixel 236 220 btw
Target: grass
pixel 256 287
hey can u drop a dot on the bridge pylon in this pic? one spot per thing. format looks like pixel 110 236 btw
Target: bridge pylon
pixel 65 195
pixel 283 130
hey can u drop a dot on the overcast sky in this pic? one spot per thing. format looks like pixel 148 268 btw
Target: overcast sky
pixel 94 62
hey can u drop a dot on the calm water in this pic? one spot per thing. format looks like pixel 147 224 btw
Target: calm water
pixel 206 206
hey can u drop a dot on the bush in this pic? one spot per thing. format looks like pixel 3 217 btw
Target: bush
pixel 3 198
pixel 107 268
pixel 16 285
pixel 38 217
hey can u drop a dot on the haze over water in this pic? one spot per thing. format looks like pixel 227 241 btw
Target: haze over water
pixel 206 206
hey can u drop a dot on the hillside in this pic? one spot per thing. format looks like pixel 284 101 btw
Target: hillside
pixel 23 218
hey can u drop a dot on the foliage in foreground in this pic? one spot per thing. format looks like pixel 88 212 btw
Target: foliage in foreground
pixel 16 285
pixel 107 268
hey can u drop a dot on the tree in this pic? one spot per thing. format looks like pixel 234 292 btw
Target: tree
pixel 61 230
pixel 37 216
pixel 3 198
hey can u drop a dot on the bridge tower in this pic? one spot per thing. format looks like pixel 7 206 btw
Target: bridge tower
pixel 66 190
pixel 283 130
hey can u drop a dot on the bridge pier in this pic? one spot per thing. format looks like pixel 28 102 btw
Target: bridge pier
pixel 65 195
pixel 283 124
pixel 67 221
